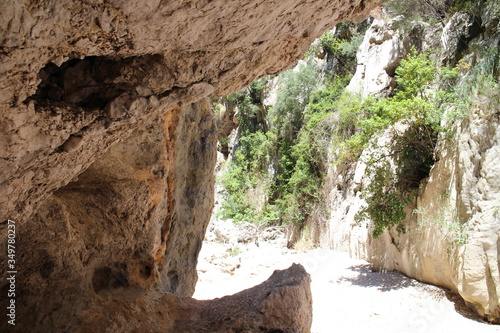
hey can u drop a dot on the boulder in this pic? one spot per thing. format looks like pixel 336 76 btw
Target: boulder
pixel 282 303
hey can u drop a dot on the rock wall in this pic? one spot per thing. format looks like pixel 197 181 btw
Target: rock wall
pixel 134 219
pixel 106 160
pixel 78 76
pixel 383 47
pixel 454 239
pixel 452 234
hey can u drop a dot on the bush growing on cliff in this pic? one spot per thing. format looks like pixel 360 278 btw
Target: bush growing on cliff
pixel 283 154
pixel 417 9
pixel 295 88
pixel 284 162
pixel 297 177
pixel 412 146
pixel 299 191
pixel 248 167
pixel 384 201
pixel 415 116
pixel 271 143
pixel 340 46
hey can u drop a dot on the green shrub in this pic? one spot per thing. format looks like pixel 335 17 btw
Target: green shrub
pixel 385 203
pixel 412 149
pixel 295 88
pixel 430 10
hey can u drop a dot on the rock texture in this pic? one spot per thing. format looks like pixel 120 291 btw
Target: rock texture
pixel 77 77
pixel 106 163
pixel 134 219
pixel 383 47
pixel 377 58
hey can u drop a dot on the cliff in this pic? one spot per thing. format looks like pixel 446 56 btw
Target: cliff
pixel 451 233
pixel 106 160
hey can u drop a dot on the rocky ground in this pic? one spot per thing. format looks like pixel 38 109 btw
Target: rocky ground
pixel 347 295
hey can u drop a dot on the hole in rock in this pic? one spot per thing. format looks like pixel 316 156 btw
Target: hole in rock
pixel 174 280
pixel 105 278
pixel 145 272
pixel 88 82
pixel 101 278
pixel 93 81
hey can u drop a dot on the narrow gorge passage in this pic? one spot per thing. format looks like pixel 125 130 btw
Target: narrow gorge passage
pixel 347 295
pixel 382 143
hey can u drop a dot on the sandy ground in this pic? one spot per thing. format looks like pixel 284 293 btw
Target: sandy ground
pixel 347 295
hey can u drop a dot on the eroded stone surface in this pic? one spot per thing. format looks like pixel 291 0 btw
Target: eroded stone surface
pixel 134 219
pixel 283 303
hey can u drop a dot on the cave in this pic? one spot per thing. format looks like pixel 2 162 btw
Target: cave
pixel 107 157
pixel 94 81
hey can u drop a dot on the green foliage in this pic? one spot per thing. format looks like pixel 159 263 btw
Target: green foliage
pixel 330 43
pixel 384 202
pixel 464 5
pixel 422 111
pixel 249 104
pixel 480 84
pixel 324 99
pixel 419 9
pixel 340 46
pixel 247 169
pixel 414 155
pixel 235 182
pixel 468 85
pixel 362 119
pixel 303 156
pixel 292 98
pixel 411 148
pixel 292 147
pixel 414 74
pixel 234 251
pixel 281 153
pixel 437 10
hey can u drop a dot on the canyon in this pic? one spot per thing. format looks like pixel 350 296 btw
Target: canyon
pixel 381 143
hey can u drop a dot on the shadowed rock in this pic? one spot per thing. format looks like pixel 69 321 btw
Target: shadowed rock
pixel 283 303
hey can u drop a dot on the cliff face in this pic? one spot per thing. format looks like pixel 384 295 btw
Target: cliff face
pixel 453 237
pixel 106 161
pixel 452 229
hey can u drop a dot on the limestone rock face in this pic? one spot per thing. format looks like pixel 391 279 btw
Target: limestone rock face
pixel 383 47
pixel 377 58
pixel 78 76
pixel 106 160
pixel 460 29
pixel 135 218
pixel 453 237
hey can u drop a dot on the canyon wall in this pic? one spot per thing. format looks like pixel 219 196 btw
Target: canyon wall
pixel 452 236
pixel 106 160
